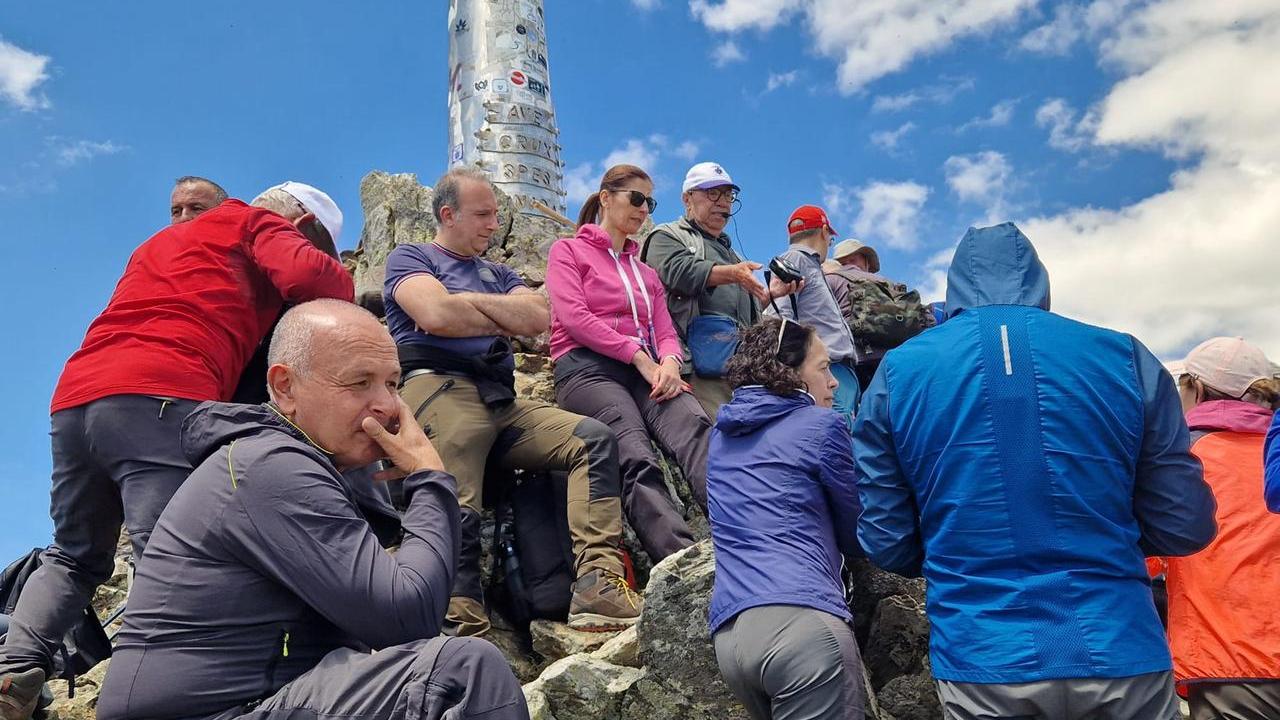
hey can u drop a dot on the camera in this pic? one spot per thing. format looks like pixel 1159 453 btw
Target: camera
pixel 784 271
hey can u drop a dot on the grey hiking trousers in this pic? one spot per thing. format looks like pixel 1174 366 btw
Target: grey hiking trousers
pixel 784 662
pixel 1141 697
pixel 117 459
pixel 444 678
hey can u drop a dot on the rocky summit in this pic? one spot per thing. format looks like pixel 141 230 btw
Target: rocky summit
pixel 665 666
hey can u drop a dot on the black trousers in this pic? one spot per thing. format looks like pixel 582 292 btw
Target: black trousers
pixel 617 395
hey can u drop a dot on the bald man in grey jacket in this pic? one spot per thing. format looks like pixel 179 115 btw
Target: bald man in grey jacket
pixel 264 592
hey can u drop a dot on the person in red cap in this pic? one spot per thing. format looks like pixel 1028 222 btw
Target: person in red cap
pixel 810 234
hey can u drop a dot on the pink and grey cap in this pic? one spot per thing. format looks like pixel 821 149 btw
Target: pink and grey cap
pixel 706 175
pixel 1226 364
pixel 318 203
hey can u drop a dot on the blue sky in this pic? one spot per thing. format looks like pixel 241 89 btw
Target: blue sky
pixel 1135 142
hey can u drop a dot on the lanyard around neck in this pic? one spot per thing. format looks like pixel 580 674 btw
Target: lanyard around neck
pixel 649 344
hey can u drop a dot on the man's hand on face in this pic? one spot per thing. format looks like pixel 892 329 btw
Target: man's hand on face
pixel 406 446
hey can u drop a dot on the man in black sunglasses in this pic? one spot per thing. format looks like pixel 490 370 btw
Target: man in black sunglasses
pixel 703 275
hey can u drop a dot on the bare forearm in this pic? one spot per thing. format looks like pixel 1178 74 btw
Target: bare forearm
pixel 722 275
pixel 523 313
pixel 456 317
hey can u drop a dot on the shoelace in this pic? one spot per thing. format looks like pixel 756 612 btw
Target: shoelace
pixel 620 583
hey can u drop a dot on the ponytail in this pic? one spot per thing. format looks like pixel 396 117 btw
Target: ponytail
pixel 590 211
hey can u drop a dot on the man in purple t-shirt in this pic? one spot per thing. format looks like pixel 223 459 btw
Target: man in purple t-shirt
pixel 451 313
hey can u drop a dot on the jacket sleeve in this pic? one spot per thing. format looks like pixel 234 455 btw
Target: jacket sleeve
pixel 1273 466
pixel 296 268
pixel 298 527
pixel 840 291
pixel 681 271
pixel 667 338
pixel 840 484
pixel 1173 505
pixel 889 528
pixel 569 305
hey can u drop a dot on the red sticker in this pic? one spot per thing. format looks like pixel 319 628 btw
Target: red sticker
pixel 517 77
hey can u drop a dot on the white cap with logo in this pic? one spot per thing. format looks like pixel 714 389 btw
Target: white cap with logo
pixel 318 203
pixel 706 175
pixel 845 248
pixel 1226 364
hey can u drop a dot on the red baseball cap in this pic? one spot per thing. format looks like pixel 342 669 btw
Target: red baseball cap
pixel 809 217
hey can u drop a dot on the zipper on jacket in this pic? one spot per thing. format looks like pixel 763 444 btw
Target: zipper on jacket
pixel 417 414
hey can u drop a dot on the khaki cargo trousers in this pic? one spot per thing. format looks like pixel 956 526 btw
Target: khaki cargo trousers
pixel 524 435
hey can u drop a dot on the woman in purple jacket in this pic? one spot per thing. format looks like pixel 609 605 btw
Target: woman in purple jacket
pixel 618 356
pixel 783 509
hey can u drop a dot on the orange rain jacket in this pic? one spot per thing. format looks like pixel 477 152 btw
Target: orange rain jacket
pixel 1224 601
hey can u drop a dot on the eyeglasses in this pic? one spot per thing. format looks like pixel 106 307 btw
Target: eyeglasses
pixel 716 193
pixel 637 198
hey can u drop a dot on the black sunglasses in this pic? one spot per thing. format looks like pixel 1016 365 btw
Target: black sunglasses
pixel 638 198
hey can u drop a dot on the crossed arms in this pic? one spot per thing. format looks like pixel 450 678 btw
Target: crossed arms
pixel 521 312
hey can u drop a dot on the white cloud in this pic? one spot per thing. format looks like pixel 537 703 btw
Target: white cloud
pixel 727 53
pixel 1000 115
pixel 686 150
pixel 888 139
pixel 649 153
pixel 1065 131
pixel 646 5
pixel 887 212
pixel 735 15
pixel 1057 36
pixel 21 74
pixel 68 153
pixel 1196 259
pixel 982 178
pixel 870 38
pixel 777 80
pixel 938 94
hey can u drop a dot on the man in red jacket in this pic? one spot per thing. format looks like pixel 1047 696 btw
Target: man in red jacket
pixel 193 304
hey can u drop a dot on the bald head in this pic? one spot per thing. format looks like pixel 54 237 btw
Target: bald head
pixel 331 365
pixel 308 329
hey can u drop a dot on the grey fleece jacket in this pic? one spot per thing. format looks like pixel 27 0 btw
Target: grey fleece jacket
pixel 261 564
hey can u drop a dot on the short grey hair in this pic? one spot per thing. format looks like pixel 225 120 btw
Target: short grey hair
pixel 447 188
pixel 281 203
pixel 293 342
pixel 218 193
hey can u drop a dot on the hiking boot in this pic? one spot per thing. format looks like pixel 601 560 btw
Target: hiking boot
pixel 466 617
pixel 19 694
pixel 602 602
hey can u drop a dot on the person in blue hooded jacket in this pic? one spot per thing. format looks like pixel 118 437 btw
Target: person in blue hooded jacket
pixel 1025 464
pixel 783 509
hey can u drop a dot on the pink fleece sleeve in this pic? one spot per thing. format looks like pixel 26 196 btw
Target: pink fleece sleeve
pixel 668 340
pixel 569 304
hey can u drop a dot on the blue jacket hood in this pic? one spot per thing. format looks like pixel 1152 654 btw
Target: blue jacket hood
pixel 996 265
pixel 754 406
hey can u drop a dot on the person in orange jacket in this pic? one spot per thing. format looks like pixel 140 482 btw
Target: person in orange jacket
pixel 1224 601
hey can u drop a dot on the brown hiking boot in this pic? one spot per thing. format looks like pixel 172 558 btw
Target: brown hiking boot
pixel 19 694
pixel 466 617
pixel 602 602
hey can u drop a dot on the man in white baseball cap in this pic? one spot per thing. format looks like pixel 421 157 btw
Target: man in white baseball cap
pixel 703 275
pixel 296 201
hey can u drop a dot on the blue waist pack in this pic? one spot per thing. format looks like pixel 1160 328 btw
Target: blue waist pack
pixel 712 341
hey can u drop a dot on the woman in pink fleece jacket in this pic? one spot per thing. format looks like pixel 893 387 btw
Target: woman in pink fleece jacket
pixel 618 356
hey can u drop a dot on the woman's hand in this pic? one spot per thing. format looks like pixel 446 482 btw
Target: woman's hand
pixel 663 378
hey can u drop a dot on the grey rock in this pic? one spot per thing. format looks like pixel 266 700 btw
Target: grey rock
pixel 899 641
pixel 555 640
pixel 622 649
pixel 581 687
pixel 397 211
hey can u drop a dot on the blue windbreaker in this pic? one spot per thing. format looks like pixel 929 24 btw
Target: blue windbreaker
pixel 1273 465
pixel 782 503
pixel 1024 463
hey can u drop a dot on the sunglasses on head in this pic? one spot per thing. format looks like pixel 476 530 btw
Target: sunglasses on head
pixel 637 198
pixel 793 334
